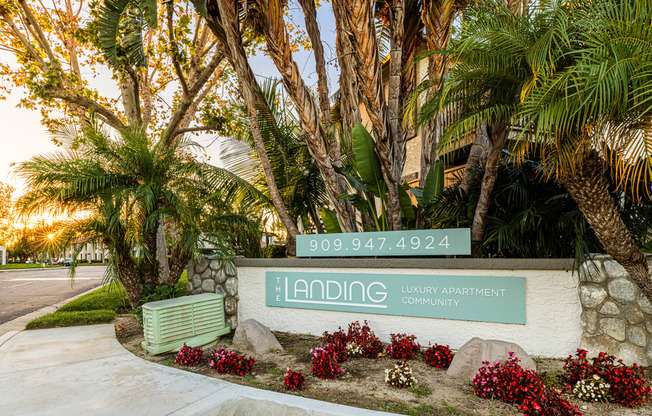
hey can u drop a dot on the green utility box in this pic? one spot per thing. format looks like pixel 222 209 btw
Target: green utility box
pixel 196 320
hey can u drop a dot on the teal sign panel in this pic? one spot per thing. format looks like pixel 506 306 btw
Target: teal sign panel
pixel 468 298
pixel 450 241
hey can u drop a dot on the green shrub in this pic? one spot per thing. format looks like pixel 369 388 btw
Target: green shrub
pixel 75 318
pixel 163 292
pixel 275 251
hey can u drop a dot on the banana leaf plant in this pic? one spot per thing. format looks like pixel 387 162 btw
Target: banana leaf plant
pixel 433 187
pixel 363 174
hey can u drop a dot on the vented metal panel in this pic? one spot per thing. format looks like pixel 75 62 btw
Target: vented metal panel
pixel 196 320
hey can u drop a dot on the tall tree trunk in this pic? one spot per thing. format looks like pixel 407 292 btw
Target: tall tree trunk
pixel 279 48
pixel 162 252
pixel 395 105
pixel 477 157
pixel 437 16
pixel 310 15
pixel 356 22
pixel 589 188
pixel 228 22
pixel 178 262
pixel 499 132
pixel 129 278
pixel 150 263
pixel 349 91
pixel 130 96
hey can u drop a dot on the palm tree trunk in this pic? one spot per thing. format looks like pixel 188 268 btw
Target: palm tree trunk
pixel 162 252
pixel 129 278
pixel 178 263
pixel 356 22
pixel 499 133
pixel 150 264
pixel 477 158
pixel 395 107
pixel 349 91
pixel 589 188
pixel 437 16
pixel 228 22
pixel 310 16
pixel 279 48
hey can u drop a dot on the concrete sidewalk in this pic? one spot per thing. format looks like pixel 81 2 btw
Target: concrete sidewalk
pixel 85 371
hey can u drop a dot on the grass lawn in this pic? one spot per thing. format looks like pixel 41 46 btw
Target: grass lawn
pixel 59 319
pixel 25 266
pixel 99 306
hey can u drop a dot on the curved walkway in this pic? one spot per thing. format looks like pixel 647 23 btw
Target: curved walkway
pixel 84 370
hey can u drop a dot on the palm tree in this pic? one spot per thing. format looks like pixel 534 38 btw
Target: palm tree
pixel 592 110
pixel 122 189
pixel 298 179
pixel 223 18
pixel 490 67
pixel 578 78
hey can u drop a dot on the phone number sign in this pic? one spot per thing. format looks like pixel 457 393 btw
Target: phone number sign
pixel 442 242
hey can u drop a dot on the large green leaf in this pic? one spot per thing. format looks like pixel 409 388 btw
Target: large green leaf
pixel 330 221
pixel 434 185
pixel 133 17
pixel 367 161
pixel 360 203
pixel 407 209
pixel 200 7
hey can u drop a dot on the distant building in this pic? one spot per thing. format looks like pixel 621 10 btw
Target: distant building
pixel 3 255
pixel 87 252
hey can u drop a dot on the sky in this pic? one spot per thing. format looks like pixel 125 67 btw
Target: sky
pixel 22 136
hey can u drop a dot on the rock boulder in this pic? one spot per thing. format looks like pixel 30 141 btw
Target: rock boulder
pixel 470 356
pixel 255 337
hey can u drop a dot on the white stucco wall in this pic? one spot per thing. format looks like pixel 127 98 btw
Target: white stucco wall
pixel 552 307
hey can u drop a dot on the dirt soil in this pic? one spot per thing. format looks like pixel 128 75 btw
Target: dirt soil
pixel 361 384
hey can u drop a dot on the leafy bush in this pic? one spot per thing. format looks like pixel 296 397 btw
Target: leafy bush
pixel 161 292
pixel 189 356
pixel 74 318
pixel 274 251
pixel 400 376
pixel 293 380
pixel 228 362
pixel 338 340
pixel 324 361
pixel 528 216
pixel 164 291
pixel 509 382
pixel 403 346
pixel 627 383
pixel 362 336
pixel 439 356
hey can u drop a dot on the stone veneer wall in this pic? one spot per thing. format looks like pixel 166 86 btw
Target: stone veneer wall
pixel 212 276
pixel 616 317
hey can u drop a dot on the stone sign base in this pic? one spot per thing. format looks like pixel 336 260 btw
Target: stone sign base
pixel 616 317
pixel 212 276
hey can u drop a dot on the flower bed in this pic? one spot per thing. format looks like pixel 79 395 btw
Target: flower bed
pixel 365 382
pixel 625 384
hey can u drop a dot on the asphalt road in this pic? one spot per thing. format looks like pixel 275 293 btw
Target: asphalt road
pixel 27 290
